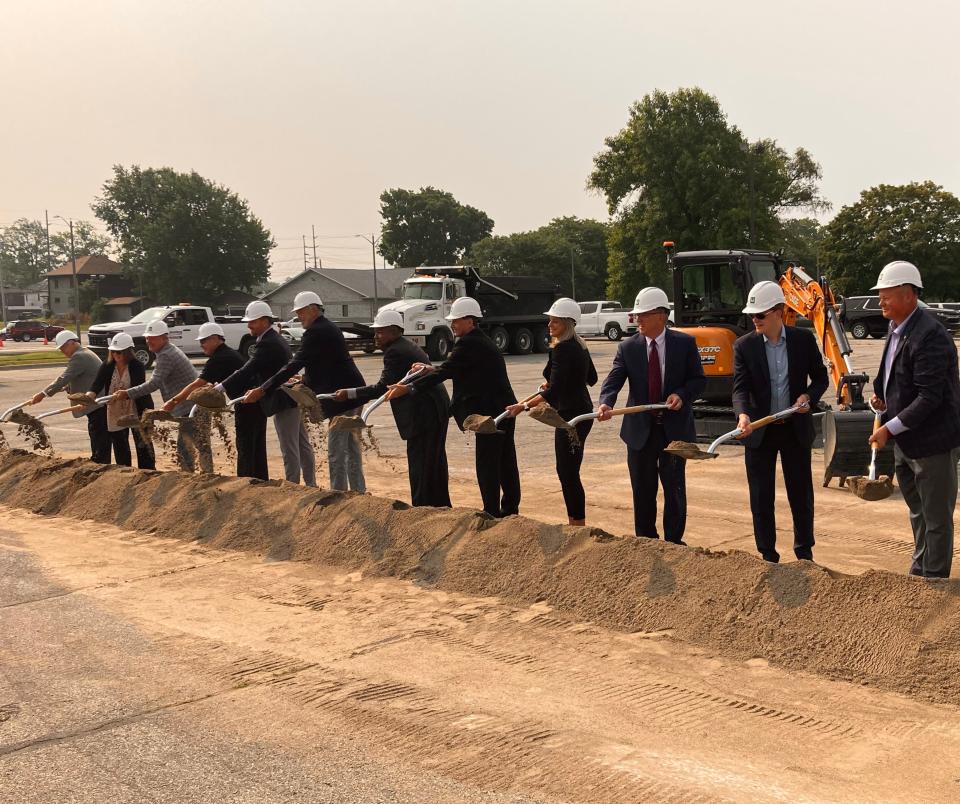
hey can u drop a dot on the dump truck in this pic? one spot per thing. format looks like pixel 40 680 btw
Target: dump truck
pixel 513 308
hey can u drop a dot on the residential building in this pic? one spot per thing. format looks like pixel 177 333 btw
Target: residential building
pixel 347 293
pixel 123 308
pixel 106 274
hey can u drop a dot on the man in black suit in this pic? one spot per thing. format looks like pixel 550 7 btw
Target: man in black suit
pixel 269 354
pixel 421 419
pixel 326 365
pixel 661 366
pixel 918 389
pixel 776 367
pixel 480 385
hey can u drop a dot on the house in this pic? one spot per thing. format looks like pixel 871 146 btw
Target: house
pixel 106 274
pixel 347 293
pixel 233 302
pixel 123 308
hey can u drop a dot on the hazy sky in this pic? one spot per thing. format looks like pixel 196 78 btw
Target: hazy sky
pixel 310 109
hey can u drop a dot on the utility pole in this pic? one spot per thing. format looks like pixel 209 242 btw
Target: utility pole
pixel 304 252
pixel 76 284
pixel 573 278
pixel 373 240
pixel 3 297
pixel 46 217
pixel 313 230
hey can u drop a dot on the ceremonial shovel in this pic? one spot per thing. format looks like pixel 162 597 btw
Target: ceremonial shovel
pixel 871 487
pixel 487 425
pixel 688 451
pixel 359 422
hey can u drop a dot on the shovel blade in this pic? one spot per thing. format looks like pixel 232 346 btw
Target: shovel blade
pixel 482 425
pixel 340 423
pixel 689 451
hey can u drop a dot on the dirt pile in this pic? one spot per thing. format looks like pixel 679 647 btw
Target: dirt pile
pixel 881 629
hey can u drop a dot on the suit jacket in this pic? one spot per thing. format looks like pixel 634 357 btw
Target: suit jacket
pixel 923 389
pixel 414 414
pixel 568 372
pixel 479 374
pixel 751 380
pixel 138 376
pixel 325 362
pixel 683 376
pixel 271 353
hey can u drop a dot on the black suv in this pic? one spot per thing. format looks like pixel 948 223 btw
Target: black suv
pixel 862 317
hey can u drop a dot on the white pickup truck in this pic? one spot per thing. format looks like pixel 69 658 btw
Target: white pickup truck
pixel 184 321
pixel 607 318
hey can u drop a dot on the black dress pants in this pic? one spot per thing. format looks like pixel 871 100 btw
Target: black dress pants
pixel 251 435
pixel 569 459
pixel 427 466
pixel 761 463
pixel 100 442
pixel 647 465
pixel 497 470
pixel 146 457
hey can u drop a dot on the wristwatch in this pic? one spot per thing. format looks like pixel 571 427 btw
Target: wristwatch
pixel 526 406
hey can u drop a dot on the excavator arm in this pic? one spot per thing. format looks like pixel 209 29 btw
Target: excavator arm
pixel 815 301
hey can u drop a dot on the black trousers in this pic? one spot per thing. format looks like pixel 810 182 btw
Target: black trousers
pixel 146 457
pixel 497 470
pixel 427 466
pixel 761 463
pixel 646 466
pixel 569 459
pixel 100 442
pixel 251 435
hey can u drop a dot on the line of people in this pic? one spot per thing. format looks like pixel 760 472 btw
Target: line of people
pixel 775 367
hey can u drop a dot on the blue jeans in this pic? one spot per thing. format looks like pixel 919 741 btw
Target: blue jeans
pixel 345 458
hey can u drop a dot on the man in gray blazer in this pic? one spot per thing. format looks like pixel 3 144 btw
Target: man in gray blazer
pixel 77 378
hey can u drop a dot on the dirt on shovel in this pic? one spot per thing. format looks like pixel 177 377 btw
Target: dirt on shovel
pixel 480 424
pixel 208 397
pixel 339 423
pixel 871 490
pixel 689 451
pixel 547 414
pixel 32 431
pixel 81 399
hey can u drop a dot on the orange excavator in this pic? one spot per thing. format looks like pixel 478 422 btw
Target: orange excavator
pixel 709 293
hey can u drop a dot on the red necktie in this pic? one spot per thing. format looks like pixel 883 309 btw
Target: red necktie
pixel 654 380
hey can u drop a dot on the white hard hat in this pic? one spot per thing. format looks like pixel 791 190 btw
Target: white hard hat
pixel 208 329
pixel 463 307
pixel 388 318
pixel 156 327
pixel 120 342
pixel 565 308
pixel 898 273
pixel 764 296
pixel 304 299
pixel 63 336
pixel 257 309
pixel 650 299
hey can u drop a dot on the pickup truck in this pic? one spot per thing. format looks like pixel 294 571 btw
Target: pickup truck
pixel 184 321
pixel 607 318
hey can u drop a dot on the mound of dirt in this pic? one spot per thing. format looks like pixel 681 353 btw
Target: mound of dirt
pixel 886 630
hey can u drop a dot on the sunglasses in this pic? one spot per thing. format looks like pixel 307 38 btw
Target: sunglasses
pixel 760 316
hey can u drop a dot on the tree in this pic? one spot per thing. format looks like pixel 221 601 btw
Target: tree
pixel 801 242
pixel 183 236
pixel 547 252
pixel 23 249
pixel 428 227
pixel 918 222
pixel 679 171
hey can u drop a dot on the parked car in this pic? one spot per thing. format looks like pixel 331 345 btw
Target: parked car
pixel 607 318
pixel 861 315
pixel 291 331
pixel 30 331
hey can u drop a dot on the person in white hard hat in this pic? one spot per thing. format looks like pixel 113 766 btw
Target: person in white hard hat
pixel 776 367
pixel 172 371
pixel 568 372
pixel 268 355
pixel 662 366
pixel 918 390
pixel 481 386
pixel 326 366
pixel 123 370
pixel 250 422
pixel 421 419
pixel 77 378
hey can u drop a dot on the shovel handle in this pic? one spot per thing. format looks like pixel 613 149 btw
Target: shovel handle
pixel 637 409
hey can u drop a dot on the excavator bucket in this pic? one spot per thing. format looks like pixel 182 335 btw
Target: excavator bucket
pixel 846 448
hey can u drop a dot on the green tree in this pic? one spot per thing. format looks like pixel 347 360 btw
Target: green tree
pixel 919 222
pixel 86 240
pixel 88 295
pixel 679 171
pixel 801 239
pixel 548 252
pixel 183 236
pixel 23 249
pixel 428 227
pixel 98 312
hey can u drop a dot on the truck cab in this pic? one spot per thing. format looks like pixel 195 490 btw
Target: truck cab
pixel 424 303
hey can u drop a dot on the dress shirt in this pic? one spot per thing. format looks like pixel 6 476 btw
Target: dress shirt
pixel 894 426
pixel 779 371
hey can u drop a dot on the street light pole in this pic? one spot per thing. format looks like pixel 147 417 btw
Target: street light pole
pixel 373 240
pixel 76 284
pixel 573 278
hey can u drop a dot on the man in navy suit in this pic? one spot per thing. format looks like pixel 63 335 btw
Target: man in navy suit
pixel 774 368
pixel 918 389
pixel 662 366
